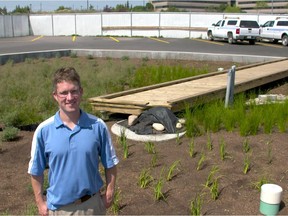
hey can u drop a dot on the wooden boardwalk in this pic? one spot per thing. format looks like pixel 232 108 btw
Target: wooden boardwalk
pixel 174 95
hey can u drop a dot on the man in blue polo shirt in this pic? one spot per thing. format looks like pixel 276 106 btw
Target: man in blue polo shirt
pixel 72 143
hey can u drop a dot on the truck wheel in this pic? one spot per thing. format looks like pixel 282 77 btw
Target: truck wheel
pixel 285 40
pixel 210 36
pixel 230 38
pixel 251 42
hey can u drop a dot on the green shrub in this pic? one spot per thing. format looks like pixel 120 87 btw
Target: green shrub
pixel 21 117
pixel 90 57
pixel 9 134
pixel 73 55
pixel 125 58
pixel 11 119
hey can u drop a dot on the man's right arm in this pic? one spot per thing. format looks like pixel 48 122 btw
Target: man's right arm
pixel 37 185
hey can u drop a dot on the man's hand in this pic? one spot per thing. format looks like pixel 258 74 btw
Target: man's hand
pixel 107 199
pixel 110 174
pixel 42 209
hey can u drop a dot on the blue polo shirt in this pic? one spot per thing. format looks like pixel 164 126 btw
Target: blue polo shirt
pixel 73 157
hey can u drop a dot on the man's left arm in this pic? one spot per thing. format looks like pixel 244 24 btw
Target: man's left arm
pixel 110 175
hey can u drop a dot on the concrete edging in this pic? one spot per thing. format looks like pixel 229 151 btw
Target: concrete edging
pixel 118 130
pixel 20 57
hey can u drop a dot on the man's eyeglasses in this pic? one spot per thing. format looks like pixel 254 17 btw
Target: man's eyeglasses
pixel 64 94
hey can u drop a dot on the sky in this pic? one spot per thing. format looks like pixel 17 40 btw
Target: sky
pixel 52 5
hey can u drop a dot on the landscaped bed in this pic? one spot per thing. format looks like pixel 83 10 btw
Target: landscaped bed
pixel 210 166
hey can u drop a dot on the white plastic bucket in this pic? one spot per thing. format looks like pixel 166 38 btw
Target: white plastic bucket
pixel 270 199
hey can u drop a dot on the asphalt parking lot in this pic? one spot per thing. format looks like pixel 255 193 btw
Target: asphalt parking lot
pixel 45 43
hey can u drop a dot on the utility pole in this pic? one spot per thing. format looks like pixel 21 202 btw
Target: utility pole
pixel 87 5
pixel 272 6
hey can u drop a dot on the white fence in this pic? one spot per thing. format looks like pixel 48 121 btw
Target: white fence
pixel 167 25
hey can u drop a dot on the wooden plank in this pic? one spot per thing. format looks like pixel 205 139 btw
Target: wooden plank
pixel 117 105
pixel 132 91
pixel 117 110
pixel 176 94
pixel 103 100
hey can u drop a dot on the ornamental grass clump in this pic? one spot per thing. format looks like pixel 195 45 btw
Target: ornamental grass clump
pixel 268 118
pixel 251 123
pixel 229 119
pixel 192 147
pixel 152 74
pixel 281 112
pixel 115 208
pixel 154 160
pixel 123 142
pixel 211 175
pixel 223 153
pixel 196 205
pixel 214 189
pixel 246 146
pixel 212 116
pixel 209 141
pixel 201 161
pixel 158 193
pixel 191 124
pixel 171 170
pixel 178 142
pixel 262 180
pixel 158 187
pixel 145 178
pixel 247 164
pixel 150 147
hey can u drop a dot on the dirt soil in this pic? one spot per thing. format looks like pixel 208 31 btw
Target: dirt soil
pixel 237 194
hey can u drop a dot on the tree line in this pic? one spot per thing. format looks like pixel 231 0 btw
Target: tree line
pixel 127 7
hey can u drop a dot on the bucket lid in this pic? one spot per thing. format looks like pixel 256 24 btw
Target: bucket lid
pixel 271 193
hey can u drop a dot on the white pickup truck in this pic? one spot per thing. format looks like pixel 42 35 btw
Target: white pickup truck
pixel 275 30
pixel 234 29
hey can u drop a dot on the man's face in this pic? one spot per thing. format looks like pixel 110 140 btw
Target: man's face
pixel 68 96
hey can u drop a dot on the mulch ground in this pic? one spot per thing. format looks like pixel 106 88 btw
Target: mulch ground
pixel 237 193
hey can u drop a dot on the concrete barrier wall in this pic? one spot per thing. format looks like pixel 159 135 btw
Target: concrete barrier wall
pixel 88 24
pixel 21 25
pixel 43 24
pixel 14 26
pixel 167 25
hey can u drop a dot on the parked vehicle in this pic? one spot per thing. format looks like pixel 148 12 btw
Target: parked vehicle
pixel 234 29
pixel 275 30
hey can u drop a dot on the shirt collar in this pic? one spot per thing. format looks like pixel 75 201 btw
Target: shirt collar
pixel 82 122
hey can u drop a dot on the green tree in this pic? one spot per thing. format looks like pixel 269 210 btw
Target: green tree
pixel 121 8
pixel 147 8
pixel 261 4
pixel 91 8
pixel 3 11
pixel 138 9
pixel 21 10
pixel 232 9
pixel 62 8
pixel 172 9
pixel 108 9
pixel 150 7
pixel 220 8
